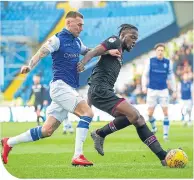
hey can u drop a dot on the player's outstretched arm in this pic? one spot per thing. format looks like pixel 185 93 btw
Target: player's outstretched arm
pixel 145 77
pixel 42 52
pixel 97 51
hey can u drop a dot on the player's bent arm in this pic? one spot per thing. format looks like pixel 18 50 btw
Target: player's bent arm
pixel 97 51
pixel 145 76
pixel 51 45
pixel 179 90
pixel 85 50
pixel 42 52
pixel 171 79
pixel 112 52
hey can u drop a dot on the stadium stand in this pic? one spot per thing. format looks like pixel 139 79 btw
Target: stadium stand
pixel 34 20
pixel 100 22
pixel 25 15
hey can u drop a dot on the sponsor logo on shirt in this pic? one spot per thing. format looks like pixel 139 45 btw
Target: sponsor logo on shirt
pixel 165 65
pixel 71 56
pixel 68 44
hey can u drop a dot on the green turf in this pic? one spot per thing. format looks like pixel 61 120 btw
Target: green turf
pixel 125 155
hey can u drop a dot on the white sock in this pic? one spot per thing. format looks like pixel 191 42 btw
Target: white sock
pixel 166 126
pixel 24 137
pixel 81 134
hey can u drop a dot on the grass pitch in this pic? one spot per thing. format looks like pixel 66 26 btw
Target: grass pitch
pixel 125 155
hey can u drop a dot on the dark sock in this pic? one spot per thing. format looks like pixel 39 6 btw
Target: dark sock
pixel 150 140
pixel 115 125
pixel 38 122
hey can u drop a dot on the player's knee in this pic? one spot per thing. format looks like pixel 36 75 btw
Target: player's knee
pixel 88 112
pixel 139 122
pixel 135 116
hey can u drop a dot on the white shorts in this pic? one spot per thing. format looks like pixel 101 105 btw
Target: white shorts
pixel 155 97
pixel 186 105
pixel 64 100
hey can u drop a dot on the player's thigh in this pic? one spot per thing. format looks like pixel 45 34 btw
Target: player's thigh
pixel 151 99
pixel 163 98
pixel 103 98
pixel 64 95
pixel 57 111
pixel 187 105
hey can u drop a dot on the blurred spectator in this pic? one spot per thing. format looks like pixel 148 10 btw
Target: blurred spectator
pixel 40 94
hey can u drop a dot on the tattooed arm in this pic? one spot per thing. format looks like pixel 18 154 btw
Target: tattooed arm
pixel 50 46
pixel 42 52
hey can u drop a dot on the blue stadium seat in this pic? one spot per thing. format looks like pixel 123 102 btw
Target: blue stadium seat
pixel 36 12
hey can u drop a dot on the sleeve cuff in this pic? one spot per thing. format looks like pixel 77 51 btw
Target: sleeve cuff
pixel 103 44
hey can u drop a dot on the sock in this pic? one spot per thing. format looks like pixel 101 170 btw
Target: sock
pixel 152 121
pixel 33 134
pixel 166 126
pixel 115 125
pixel 150 140
pixel 38 121
pixel 81 134
pixel 65 125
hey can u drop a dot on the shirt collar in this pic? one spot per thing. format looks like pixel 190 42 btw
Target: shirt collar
pixel 160 59
pixel 68 32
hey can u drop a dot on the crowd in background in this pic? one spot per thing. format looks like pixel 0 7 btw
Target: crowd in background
pixel 179 51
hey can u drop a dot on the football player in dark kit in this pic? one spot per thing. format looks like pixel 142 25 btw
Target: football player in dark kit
pixel 102 96
pixel 41 97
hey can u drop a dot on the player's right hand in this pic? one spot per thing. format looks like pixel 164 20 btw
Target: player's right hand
pixel 80 66
pixel 25 69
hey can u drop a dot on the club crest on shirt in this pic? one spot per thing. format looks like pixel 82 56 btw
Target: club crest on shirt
pixel 165 65
pixel 112 39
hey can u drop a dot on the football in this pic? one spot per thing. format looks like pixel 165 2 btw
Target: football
pixel 176 158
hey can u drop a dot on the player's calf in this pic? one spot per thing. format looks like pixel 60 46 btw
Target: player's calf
pixel 150 140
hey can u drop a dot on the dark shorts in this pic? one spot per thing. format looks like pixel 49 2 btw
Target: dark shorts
pixel 103 98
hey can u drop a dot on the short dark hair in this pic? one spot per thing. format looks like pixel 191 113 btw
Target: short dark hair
pixel 126 26
pixel 74 14
pixel 159 45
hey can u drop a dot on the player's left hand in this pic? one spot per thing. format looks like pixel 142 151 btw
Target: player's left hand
pixel 115 52
pixel 80 66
